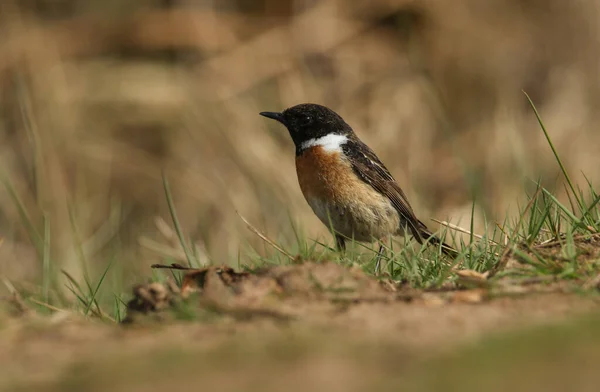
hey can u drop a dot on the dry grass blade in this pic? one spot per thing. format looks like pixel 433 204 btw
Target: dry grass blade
pixel 55 309
pixel 462 230
pixel 173 247
pixel 265 238
pixel 161 249
pixel 165 230
pixel 15 298
pixel 555 242
pixel 9 286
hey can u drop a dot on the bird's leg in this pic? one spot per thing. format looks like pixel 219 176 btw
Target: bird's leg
pixel 379 256
pixel 340 243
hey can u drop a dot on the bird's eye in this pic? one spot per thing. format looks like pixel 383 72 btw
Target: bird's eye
pixel 305 121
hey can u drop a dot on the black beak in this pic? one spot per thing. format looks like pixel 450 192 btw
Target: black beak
pixel 274 116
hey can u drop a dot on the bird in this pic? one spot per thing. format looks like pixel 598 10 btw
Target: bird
pixel 347 186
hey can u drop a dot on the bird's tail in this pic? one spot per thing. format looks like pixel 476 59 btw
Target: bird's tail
pixel 426 235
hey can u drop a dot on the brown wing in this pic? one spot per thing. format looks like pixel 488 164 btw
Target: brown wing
pixel 372 171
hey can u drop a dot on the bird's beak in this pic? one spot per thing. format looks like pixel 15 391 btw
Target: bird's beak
pixel 274 116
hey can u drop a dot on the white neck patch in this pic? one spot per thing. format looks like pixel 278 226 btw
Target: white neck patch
pixel 329 142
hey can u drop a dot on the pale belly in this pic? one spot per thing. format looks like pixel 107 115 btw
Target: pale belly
pixel 355 219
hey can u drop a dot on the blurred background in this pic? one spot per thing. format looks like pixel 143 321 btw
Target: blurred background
pixel 98 97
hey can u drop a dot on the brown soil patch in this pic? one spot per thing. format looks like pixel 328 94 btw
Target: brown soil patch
pixel 269 329
pixel 328 295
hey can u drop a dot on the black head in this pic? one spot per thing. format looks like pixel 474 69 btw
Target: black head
pixel 310 121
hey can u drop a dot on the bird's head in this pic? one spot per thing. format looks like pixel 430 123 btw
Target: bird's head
pixel 308 121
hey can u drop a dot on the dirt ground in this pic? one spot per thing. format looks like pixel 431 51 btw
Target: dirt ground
pixel 309 326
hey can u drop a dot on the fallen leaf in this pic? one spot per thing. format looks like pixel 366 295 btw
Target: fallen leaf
pixel 472 278
pixel 474 296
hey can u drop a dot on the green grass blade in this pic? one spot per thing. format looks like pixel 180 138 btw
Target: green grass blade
pixel 73 281
pixel 556 156
pixel 532 215
pixel 95 293
pixel 587 213
pixel 79 297
pixel 117 308
pixel 46 262
pixel 567 212
pixel 79 246
pixel 80 294
pixel 535 230
pixel 570 198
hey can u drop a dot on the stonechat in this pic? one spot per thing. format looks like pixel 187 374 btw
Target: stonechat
pixel 345 183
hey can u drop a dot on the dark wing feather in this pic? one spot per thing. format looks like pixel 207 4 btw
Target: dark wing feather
pixel 372 171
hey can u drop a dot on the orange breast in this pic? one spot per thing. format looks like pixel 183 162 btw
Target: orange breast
pixel 325 175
